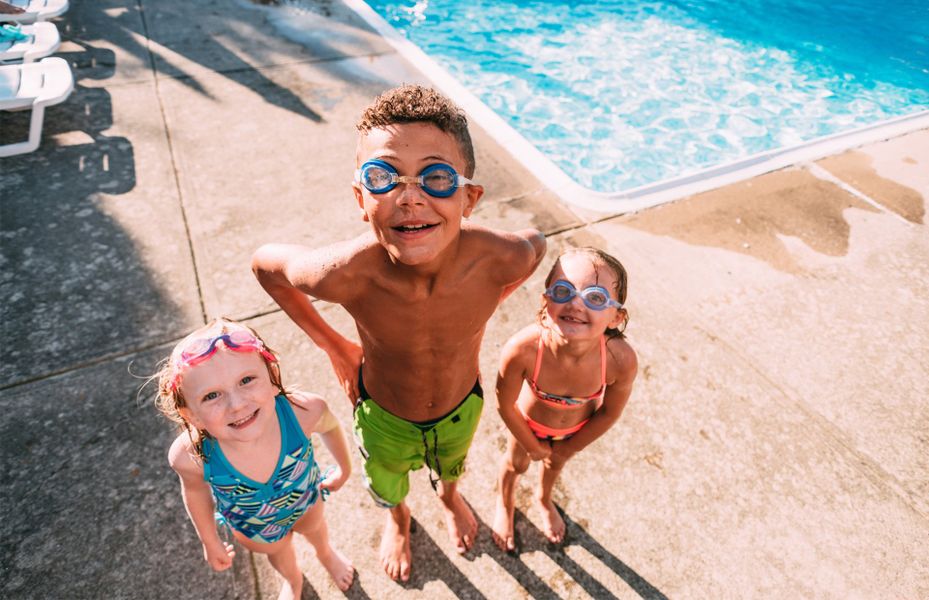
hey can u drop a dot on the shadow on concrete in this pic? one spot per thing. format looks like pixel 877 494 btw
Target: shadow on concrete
pixel 91 508
pixel 531 539
pixel 74 287
pixel 435 566
pixel 172 36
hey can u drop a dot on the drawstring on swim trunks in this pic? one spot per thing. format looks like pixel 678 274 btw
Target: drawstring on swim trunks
pixel 433 465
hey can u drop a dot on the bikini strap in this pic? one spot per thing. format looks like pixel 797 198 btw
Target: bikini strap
pixel 290 425
pixel 603 364
pixel 538 361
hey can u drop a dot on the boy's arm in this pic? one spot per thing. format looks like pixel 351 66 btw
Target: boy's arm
pixel 532 250
pixel 614 401
pixel 198 501
pixel 509 382
pixel 288 273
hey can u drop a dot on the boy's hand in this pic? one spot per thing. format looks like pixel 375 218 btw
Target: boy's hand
pixel 334 480
pixel 219 555
pixel 346 360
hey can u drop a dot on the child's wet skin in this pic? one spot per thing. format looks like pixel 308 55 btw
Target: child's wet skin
pixel 218 382
pixel 563 381
pixel 420 286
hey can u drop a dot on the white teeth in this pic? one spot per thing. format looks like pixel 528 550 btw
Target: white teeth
pixel 414 227
pixel 243 420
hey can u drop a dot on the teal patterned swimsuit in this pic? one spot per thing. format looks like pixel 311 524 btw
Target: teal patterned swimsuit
pixel 265 512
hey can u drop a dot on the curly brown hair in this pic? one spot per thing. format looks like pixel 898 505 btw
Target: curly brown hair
pixel 599 257
pixel 419 104
pixel 169 397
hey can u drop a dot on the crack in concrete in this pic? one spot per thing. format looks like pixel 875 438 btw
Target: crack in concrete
pixel 172 152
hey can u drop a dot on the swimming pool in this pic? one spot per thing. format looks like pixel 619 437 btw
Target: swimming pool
pixel 623 95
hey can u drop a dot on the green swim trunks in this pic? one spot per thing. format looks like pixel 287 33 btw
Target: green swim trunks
pixel 391 447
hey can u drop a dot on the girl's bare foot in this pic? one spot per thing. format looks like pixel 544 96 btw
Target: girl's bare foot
pixel 460 521
pixel 502 530
pixel 339 567
pixel 395 544
pixel 552 524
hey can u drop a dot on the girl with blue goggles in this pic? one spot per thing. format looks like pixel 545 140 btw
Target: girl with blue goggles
pixel 438 180
pixel 595 297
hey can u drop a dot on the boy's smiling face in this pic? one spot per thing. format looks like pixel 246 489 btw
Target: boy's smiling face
pixel 414 227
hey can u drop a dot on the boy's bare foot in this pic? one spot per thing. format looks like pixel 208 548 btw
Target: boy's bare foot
pixel 339 567
pixel 502 530
pixel 291 590
pixel 460 521
pixel 395 544
pixel 552 524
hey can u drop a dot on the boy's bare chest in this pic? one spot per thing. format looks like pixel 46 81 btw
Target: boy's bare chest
pixel 453 310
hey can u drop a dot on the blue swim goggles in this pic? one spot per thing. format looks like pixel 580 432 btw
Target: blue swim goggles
pixel 595 297
pixel 438 180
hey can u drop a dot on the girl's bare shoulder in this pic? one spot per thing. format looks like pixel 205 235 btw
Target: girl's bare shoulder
pixel 522 345
pixel 308 408
pixel 182 455
pixel 622 362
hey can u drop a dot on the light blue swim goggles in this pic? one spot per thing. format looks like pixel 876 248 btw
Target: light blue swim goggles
pixel 438 180
pixel 594 297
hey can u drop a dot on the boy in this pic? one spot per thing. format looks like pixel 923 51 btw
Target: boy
pixel 420 286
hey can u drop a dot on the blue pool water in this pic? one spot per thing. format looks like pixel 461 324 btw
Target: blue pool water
pixel 624 93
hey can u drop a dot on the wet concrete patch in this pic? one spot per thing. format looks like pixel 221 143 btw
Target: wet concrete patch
pixel 856 169
pixel 750 217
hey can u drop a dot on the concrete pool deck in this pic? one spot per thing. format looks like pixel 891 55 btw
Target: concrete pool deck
pixel 775 444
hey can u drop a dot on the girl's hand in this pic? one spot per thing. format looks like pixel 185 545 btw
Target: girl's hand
pixel 540 452
pixel 334 480
pixel 219 556
pixel 346 360
pixel 560 454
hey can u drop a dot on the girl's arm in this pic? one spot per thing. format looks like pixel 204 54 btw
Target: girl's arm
pixel 316 416
pixel 330 430
pixel 198 501
pixel 509 382
pixel 614 401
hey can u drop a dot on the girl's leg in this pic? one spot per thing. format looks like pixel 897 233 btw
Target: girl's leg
pixel 282 557
pixel 553 524
pixel 312 525
pixel 514 464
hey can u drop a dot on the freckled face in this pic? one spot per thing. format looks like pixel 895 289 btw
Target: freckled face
pixel 230 395
pixel 414 227
pixel 573 320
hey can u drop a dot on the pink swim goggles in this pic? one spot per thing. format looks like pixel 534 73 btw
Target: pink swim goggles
pixel 200 350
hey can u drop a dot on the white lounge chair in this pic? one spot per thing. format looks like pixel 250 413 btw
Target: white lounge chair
pixel 34 10
pixel 43 39
pixel 33 85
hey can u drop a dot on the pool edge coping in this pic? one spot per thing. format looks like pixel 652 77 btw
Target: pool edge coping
pixel 644 196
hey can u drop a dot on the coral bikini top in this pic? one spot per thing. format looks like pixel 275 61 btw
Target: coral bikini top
pixel 566 401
